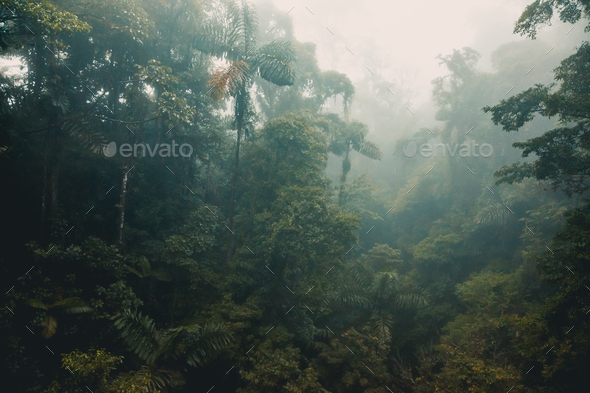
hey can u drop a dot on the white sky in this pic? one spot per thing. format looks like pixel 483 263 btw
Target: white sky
pixel 401 35
pixel 399 39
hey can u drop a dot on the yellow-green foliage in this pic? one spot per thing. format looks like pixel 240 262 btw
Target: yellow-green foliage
pixel 275 367
pixel 95 369
pixel 48 17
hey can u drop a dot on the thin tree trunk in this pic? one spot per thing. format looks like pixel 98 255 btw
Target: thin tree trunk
pixel 122 199
pixel 173 308
pixel 44 196
pixel 53 187
pixel 345 170
pixel 232 201
pixel 240 111
pixel 54 151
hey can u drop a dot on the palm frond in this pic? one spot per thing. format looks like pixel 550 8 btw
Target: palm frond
pixel 61 102
pixel 161 274
pixel 77 309
pixel 37 304
pixel 354 133
pixel 85 135
pixel 140 334
pixel 383 284
pixel 409 300
pixel 218 41
pixel 158 379
pixel 370 150
pixel 272 63
pixel 200 342
pixel 192 343
pixel 360 276
pixel 228 79
pixel 381 323
pixel 248 23
pixel 322 332
pixel 49 326
pixel 146 267
pixel 71 305
pixel 282 50
pixel 493 213
pixel 353 297
pixel 231 37
pixel 137 273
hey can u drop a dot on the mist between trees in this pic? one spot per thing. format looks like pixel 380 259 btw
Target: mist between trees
pixel 324 234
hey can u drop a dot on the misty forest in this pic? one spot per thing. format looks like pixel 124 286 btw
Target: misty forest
pixel 194 200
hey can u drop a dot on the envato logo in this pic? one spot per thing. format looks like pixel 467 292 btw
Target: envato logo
pixel 163 150
pixel 465 150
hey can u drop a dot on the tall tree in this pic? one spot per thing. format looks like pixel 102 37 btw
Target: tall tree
pixel 562 155
pixel 237 42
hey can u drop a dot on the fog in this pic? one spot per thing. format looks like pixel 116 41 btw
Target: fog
pixel 397 38
pixel 283 197
pixel 399 42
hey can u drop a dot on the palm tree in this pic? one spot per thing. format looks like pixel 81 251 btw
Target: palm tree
pixel 493 213
pixel 372 284
pixel 347 136
pixel 235 40
pixel 352 137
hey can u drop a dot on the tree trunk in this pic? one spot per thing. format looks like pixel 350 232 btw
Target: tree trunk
pixel 53 187
pixel 345 170
pixel 240 112
pixel 232 201
pixel 122 199
pixel 44 197
pixel 54 150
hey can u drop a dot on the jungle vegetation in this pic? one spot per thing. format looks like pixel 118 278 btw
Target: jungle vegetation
pixel 242 266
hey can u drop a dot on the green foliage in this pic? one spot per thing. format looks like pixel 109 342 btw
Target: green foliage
pixel 272 62
pixel 561 153
pixel 71 305
pixel 347 136
pixel 466 372
pixel 479 346
pixel 274 366
pixel 311 88
pixel 353 362
pixel 130 255
pixel 540 12
pixel 237 42
pixel 146 270
pixel 191 343
pixel 489 293
pixel 94 368
pixel 41 17
pixel 373 283
pixel 335 84
pixel 493 213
